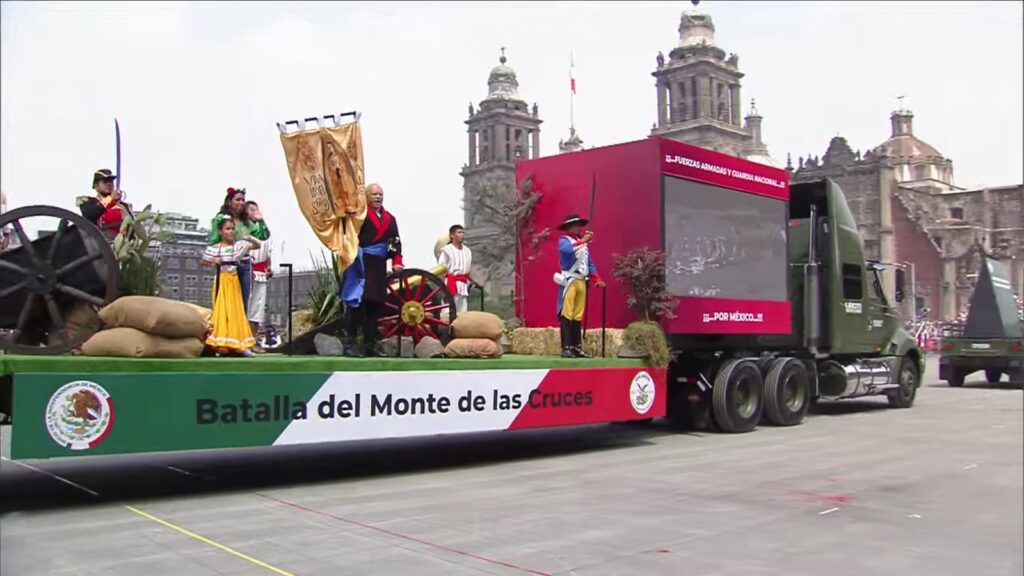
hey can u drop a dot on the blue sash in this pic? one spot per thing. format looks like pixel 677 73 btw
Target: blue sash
pixel 353 281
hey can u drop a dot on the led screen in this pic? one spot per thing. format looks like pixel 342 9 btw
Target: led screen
pixel 721 243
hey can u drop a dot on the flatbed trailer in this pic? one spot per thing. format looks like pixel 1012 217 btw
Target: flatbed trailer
pixel 85 406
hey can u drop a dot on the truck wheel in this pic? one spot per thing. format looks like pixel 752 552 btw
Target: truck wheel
pixel 907 378
pixel 956 378
pixel 736 396
pixel 787 392
pixel 993 376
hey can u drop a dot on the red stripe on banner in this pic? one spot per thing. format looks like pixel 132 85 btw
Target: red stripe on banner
pixel 110 424
pixel 591 396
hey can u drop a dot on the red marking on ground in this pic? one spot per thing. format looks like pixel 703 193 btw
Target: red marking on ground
pixel 405 537
pixel 663 550
pixel 828 498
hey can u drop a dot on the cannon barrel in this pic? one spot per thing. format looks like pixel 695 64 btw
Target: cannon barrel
pixel 414 281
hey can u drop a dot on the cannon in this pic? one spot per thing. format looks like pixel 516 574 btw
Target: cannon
pixel 43 280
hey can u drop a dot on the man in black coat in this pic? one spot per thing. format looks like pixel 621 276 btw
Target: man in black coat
pixel 364 285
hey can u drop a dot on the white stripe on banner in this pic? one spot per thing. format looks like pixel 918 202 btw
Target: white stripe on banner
pixel 368 405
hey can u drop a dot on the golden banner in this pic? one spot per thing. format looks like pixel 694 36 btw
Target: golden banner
pixel 326 168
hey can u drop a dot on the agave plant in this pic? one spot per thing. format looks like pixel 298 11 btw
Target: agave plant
pixel 140 274
pixel 325 296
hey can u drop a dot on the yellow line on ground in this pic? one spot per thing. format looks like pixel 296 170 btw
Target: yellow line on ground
pixel 206 540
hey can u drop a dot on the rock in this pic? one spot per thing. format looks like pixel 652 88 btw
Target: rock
pixel 627 352
pixel 429 348
pixel 506 343
pixel 327 345
pixel 389 347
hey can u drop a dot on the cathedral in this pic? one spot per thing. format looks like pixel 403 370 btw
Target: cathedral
pixel 910 213
pixel 902 191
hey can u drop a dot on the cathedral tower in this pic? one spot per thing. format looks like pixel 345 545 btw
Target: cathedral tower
pixel 698 94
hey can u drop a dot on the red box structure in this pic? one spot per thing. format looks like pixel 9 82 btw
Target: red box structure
pixel 629 212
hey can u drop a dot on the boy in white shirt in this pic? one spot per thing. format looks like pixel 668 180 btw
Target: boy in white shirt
pixel 458 258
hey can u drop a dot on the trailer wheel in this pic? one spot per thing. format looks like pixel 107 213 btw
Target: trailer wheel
pixel 993 376
pixel 903 396
pixel 787 392
pixel 736 396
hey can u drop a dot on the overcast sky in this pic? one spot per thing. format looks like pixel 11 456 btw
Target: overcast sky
pixel 198 88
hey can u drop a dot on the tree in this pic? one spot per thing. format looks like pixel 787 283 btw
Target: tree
pixel 509 212
pixel 642 271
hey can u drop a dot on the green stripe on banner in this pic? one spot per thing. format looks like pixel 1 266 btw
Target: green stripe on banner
pixel 120 413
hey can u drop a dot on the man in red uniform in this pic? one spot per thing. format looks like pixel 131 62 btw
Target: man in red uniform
pixel 106 209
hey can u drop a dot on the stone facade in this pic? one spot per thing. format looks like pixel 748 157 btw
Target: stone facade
pixel 911 214
pixel 698 95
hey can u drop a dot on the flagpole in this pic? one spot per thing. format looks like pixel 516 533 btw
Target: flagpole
pixel 572 94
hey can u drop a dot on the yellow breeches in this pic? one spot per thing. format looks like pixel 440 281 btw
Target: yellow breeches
pixel 575 301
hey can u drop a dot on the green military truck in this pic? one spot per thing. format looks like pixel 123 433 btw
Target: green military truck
pixel 848 339
pixel 992 338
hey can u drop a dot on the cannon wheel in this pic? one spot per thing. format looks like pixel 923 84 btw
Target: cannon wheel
pixel 418 305
pixel 41 280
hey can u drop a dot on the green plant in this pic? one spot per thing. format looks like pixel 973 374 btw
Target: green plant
pixel 648 338
pixel 139 272
pixel 643 272
pixel 325 297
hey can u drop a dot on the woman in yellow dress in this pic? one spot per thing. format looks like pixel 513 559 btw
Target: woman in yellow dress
pixel 231 333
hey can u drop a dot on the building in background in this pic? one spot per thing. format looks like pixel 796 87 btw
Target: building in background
pixel 182 275
pixel 910 212
pixel 503 130
pixel 698 95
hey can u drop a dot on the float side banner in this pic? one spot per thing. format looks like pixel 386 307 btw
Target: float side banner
pixel 59 415
pixel 326 170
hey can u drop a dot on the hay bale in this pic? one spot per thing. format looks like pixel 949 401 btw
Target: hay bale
pixel 647 338
pixel 475 324
pixel 154 315
pixel 472 348
pixel 612 342
pixel 536 342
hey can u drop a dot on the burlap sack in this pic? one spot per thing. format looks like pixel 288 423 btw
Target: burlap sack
pixel 326 168
pixel 132 343
pixel 474 324
pixel 206 313
pixel 472 348
pixel 153 315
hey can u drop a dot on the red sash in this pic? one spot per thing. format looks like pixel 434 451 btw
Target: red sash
pixel 452 281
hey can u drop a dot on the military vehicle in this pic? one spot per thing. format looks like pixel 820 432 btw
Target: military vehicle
pixel 777 305
pixel 992 339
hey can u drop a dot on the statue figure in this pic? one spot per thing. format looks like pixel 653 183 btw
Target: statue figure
pixel 471 109
pixel 661 59
pixel 535 109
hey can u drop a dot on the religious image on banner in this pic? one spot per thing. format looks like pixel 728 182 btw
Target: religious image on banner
pixel 326 168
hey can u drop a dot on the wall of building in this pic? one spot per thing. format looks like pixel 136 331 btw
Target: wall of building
pixel 914 246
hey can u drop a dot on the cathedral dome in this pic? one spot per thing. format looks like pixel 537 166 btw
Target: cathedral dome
pixel 502 83
pixel 902 144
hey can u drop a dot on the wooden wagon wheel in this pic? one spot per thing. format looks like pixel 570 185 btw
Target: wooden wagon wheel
pixel 418 305
pixel 42 273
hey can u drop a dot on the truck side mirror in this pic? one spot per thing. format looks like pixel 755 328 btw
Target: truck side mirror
pixel 901 277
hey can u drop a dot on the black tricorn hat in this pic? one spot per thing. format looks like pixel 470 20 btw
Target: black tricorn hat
pixel 571 220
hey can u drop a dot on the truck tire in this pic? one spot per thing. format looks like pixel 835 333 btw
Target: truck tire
pixel 908 378
pixel 736 396
pixel 993 376
pixel 787 392
pixel 956 378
